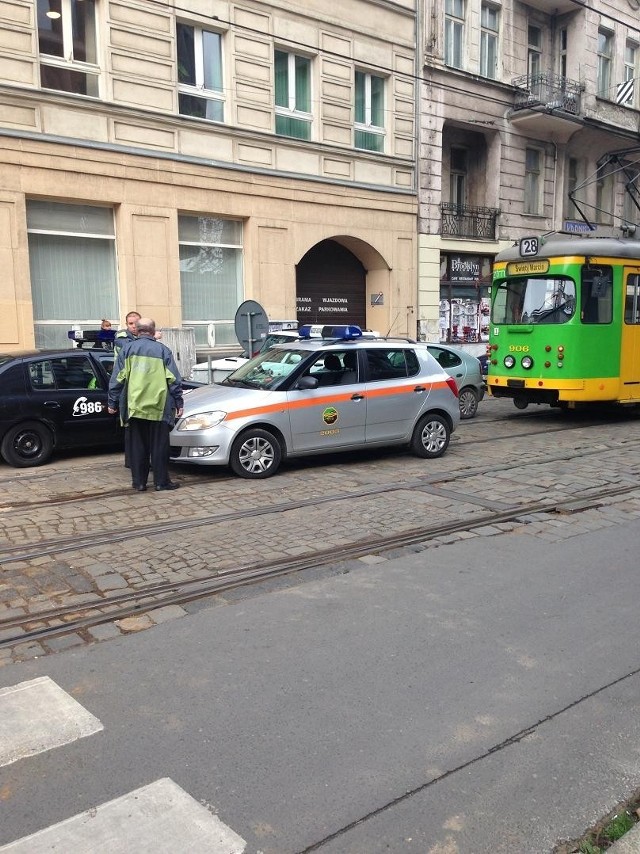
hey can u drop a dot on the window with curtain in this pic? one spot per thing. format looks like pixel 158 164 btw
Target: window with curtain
pixel 533 181
pixel 210 277
pixel 293 95
pixel 369 112
pixel 605 56
pixel 200 75
pixel 453 32
pixel 489 24
pixel 67 44
pixel 72 258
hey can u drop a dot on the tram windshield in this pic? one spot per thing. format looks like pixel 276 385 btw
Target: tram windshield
pixel 538 299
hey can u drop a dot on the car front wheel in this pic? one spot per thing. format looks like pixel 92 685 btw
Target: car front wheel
pixel 431 436
pixel 255 454
pixel 28 444
pixel 468 400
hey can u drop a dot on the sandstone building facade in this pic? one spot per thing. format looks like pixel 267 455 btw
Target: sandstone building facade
pixel 178 159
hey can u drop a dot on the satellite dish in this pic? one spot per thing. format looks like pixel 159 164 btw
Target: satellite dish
pixel 251 325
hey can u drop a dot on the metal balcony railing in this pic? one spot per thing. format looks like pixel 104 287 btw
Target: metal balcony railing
pixel 549 91
pixel 462 221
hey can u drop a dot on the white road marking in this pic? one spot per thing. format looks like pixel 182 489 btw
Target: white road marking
pixel 157 818
pixel 38 715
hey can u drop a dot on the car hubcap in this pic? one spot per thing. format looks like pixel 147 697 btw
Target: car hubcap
pixel 27 445
pixel 434 436
pixel 467 404
pixel 256 455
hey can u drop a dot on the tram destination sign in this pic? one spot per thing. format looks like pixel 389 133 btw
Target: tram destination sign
pixel 524 268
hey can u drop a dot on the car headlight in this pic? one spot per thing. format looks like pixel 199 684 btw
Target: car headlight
pixel 509 361
pixel 527 363
pixel 201 420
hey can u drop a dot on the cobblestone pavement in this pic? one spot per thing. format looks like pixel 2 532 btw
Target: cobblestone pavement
pixel 123 540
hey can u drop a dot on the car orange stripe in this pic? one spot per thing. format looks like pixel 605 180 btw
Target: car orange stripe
pixel 329 400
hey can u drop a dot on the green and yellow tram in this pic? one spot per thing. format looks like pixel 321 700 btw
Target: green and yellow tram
pixel 565 321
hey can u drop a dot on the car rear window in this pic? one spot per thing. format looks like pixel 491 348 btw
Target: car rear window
pixel 75 372
pixel 392 363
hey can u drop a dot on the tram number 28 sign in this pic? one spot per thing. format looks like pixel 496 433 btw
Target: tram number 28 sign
pixel 528 246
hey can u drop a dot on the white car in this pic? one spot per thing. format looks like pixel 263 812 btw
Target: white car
pixel 315 396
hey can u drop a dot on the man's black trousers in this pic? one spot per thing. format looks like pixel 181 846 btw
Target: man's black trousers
pixel 148 445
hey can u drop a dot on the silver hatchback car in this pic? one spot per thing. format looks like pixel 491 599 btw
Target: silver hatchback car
pixel 318 396
pixel 466 370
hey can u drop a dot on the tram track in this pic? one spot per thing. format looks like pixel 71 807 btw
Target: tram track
pixel 220 477
pixel 61 545
pixel 78 618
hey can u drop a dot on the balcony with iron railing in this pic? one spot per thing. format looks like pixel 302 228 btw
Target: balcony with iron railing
pixel 470 222
pixel 547 91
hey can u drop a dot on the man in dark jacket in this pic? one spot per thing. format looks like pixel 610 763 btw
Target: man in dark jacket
pixel 146 388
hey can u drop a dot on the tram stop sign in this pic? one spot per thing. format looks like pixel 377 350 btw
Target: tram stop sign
pixel 251 325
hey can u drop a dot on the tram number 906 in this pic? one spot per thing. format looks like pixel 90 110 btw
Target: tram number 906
pixel 528 246
pixel 519 348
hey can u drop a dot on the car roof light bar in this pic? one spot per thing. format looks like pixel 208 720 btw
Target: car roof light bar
pixel 333 333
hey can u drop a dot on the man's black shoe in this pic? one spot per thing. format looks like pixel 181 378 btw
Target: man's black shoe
pixel 168 486
pixel 139 487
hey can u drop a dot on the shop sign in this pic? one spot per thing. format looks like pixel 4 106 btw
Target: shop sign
pixel 464 268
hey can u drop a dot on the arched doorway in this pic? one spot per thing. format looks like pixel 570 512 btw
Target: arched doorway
pixel 331 286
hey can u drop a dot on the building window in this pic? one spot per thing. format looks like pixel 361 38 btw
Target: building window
pixel 533 181
pixel 625 91
pixel 572 182
pixel 604 198
pixel 453 32
pixel 563 42
pixel 293 95
pixel 210 277
pixel 369 112
pixel 200 83
pixel 68 46
pixel 630 211
pixel 489 23
pixel 458 177
pixel 534 53
pixel 605 54
pixel 72 258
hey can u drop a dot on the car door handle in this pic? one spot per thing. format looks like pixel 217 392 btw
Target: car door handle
pixel 52 404
pixel 357 396
pixel 419 388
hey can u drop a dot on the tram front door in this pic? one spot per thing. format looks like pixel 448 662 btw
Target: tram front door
pixel 630 337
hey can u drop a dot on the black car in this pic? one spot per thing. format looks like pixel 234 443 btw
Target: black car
pixel 55 399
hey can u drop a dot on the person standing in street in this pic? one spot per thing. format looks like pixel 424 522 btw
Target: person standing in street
pixel 123 336
pixel 146 389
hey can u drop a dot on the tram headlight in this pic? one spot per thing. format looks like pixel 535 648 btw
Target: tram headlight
pixel 527 363
pixel 509 361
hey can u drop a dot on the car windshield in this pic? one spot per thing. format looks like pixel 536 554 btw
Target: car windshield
pixel 267 370
pixel 540 299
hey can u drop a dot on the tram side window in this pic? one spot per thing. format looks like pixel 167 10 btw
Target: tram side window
pixel 632 299
pixel 596 295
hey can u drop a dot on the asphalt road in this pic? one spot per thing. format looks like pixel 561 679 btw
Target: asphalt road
pixel 477 698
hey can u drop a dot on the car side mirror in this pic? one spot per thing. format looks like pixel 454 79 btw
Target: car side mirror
pixel 307 382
